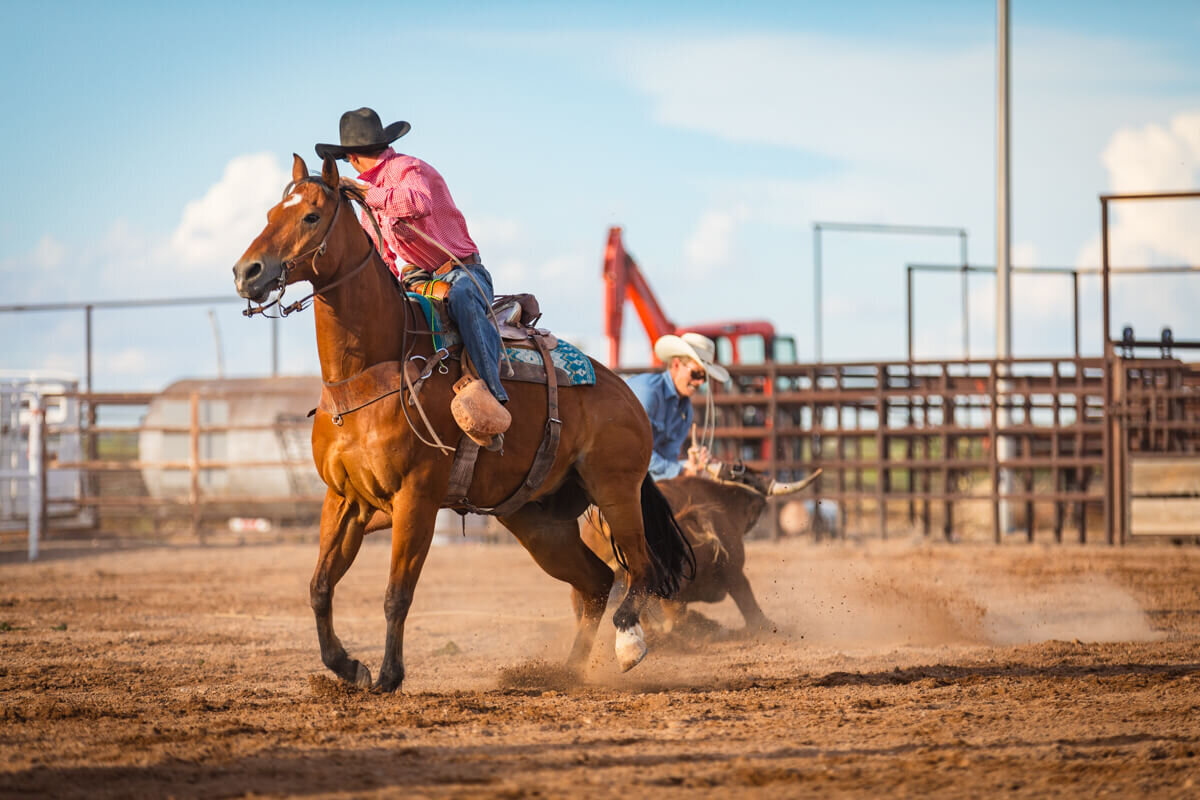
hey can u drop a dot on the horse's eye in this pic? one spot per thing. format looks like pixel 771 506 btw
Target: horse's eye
pixel 311 219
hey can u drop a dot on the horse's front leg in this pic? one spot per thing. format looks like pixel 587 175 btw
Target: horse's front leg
pixel 413 517
pixel 341 535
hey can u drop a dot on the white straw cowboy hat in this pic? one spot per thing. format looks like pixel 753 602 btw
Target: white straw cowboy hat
pixel 362 132
pixel 694 346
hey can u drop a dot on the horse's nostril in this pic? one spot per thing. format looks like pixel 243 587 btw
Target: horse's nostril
pixel 253 270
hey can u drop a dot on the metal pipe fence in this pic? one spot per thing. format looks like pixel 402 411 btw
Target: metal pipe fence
pixel 906 447
pixel 913 444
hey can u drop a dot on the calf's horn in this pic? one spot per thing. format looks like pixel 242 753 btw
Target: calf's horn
pixel 780 488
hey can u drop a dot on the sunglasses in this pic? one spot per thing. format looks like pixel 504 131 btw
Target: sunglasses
pixel 699 375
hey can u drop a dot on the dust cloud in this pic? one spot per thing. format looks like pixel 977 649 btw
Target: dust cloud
pixel 891 596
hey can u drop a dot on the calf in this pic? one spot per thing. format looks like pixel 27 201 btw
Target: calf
pixel 715 517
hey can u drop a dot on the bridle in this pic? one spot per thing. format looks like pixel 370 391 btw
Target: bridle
pixel 315 252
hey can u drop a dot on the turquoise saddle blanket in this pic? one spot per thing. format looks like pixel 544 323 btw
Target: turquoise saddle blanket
pixel 572 366
pixel 566 357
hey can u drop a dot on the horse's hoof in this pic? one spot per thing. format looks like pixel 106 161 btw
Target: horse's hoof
pixel 388 683
pixel 631 647
pixel 362 678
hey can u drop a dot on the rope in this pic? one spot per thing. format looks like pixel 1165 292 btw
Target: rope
pixel 708 431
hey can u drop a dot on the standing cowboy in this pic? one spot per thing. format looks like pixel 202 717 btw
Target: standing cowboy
pixel 667 397
pixel 427 246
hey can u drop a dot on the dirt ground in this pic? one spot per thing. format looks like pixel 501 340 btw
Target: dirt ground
pixel 897 669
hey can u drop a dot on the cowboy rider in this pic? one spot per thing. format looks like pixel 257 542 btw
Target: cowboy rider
pixel 425 240
pixel 667 397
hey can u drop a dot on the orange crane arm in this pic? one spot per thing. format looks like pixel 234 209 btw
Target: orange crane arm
pixel 623 280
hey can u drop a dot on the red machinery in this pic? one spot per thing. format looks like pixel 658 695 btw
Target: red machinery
pixel 751 341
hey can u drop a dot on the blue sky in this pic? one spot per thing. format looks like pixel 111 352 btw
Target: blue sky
pixel 145 142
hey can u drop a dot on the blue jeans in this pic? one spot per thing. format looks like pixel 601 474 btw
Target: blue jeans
pixel 470 313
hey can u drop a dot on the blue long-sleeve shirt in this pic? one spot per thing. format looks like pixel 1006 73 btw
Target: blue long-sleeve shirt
pixel 670 420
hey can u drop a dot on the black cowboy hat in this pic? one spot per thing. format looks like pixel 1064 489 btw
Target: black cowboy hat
pixel 362 132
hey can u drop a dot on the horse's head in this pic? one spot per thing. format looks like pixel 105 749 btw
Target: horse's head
pixel 297 233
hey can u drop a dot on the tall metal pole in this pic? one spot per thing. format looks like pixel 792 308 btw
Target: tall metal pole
pixel 1003 266
pixel 1075 307
pixel 1109 365
pixel 908 304
pixel 87 346
pixel 966 314
pixel 37 472
pixel 91 446
pixel 1003 224
pixel 817 292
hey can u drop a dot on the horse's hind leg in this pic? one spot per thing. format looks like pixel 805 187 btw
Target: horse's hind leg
pixel 620 504
pixel 557 548
pixel 341 535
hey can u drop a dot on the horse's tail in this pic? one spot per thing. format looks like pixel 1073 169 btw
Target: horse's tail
pixel 670 551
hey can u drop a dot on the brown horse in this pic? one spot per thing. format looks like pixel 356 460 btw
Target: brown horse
pixel 375 464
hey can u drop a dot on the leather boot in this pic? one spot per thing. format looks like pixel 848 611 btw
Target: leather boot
pixel 478 413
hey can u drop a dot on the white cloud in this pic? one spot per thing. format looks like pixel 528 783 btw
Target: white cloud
pixel 217 227
pixel 711 244
pixel 49 253
pixel 1152 158
pixel 1155 157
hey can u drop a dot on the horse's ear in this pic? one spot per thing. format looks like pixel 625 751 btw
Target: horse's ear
pixel 329 173
pixel 299 168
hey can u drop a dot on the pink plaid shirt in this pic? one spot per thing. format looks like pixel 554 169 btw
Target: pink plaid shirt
pixel 407 190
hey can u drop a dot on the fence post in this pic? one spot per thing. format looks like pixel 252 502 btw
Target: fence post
pixel 37 473
pixel 194 463
pixel 882 482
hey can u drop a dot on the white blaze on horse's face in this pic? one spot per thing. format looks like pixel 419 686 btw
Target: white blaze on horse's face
pixel 292 199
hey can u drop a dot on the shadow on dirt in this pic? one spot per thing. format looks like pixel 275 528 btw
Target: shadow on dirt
pixel 494 770
pixel 945 675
